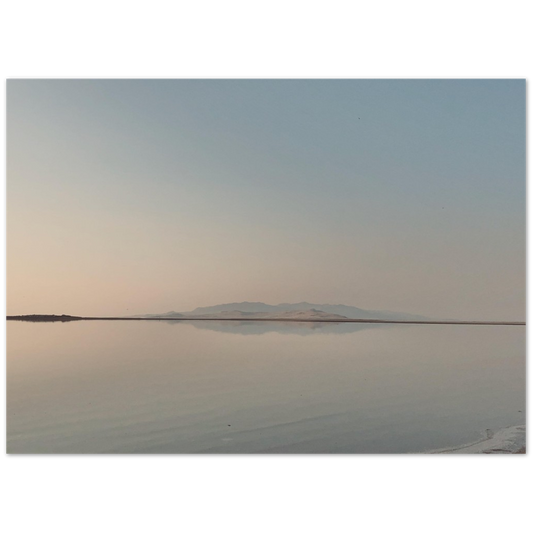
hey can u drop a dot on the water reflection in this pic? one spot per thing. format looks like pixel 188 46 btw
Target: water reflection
pixel 247 327
pixel 145 387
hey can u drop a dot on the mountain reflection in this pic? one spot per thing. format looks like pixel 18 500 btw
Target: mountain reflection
pixel 248 327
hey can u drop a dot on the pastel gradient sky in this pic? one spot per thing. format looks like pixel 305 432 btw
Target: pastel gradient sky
pixel 127 197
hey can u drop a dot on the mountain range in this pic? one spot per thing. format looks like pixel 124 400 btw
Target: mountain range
pixel 303 310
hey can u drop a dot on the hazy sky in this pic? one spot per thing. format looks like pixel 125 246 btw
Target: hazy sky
pixel 126 197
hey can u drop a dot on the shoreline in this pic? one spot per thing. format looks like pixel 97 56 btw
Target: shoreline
pixel 509 440
pixel 70 318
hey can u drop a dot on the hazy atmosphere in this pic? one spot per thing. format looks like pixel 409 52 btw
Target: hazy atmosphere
pixel 129 197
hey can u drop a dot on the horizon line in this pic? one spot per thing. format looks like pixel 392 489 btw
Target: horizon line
pixel 70 318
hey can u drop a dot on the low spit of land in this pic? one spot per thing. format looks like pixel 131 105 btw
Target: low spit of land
pixel 70 318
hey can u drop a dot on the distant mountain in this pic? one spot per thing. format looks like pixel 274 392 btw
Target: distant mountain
pixel 287 310
pixel 170 314
pixel 285 315
pixel 245 307
pixel 307 314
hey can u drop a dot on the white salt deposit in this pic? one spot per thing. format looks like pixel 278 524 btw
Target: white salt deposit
pixel 507 440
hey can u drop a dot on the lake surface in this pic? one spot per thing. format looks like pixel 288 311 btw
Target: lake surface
pixel 213 387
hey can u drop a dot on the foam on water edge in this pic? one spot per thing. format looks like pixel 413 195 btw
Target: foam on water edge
pixel 506 440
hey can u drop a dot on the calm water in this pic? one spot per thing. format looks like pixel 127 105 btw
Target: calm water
pixel 159 387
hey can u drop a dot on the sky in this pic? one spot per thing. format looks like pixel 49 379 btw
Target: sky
pixel 140 196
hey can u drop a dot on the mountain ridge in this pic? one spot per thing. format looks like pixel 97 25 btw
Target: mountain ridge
pixel 263 310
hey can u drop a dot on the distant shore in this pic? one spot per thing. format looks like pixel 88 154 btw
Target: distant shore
pixel 70 318
pixel 46 318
